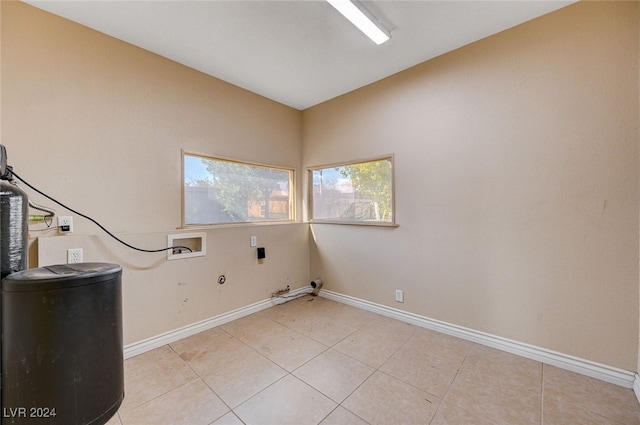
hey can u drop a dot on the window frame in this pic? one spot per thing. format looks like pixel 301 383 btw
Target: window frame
pixel 292 192
pixel 310 192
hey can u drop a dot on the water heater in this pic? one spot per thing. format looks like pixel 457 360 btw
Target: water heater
pixel 14 225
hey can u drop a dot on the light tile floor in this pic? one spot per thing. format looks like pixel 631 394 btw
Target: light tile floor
pixel 315 361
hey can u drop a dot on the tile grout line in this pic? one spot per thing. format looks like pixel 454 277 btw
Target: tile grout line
pixel 288 373
pixel 376 369
pixel 331 347
pixel 444 397
pixel 266 358
pixel 201 378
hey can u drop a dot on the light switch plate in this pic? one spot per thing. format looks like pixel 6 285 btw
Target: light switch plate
pixel 399 295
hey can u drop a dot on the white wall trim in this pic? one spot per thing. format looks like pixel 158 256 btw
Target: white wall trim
pixel 136 348
pixel 575 364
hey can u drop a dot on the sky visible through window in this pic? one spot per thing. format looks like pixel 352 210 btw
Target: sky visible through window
pixel 195 169
pixel 333 178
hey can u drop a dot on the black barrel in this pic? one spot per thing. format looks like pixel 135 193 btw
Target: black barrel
pixel 62 350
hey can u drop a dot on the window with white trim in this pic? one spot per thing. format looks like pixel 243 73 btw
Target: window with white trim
pixel 219 191
pixel 359 192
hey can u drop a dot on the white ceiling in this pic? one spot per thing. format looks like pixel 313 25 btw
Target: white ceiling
pixel 299 53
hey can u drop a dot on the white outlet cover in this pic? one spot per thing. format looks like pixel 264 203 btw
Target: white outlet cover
pixel 65 220
pixel 74 255
pixel 399 295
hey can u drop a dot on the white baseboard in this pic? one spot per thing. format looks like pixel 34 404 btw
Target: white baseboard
pixel 575 364
pixel 132 350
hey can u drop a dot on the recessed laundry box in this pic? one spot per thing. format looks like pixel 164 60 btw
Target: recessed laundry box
pixel 62 348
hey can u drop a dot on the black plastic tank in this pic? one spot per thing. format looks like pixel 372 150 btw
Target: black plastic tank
pixel 62 349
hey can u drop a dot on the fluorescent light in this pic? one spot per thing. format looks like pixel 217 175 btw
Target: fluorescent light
pixel 361 18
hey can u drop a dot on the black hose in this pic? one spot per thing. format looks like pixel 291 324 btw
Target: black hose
pixel 95 222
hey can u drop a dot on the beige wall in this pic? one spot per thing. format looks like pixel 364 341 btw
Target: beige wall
pixel 517 185
pixel 516 165
pixel 100 125
pixel 161 295
pixel 638 91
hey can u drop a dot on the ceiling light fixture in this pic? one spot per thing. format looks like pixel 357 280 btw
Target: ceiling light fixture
pixel 362 18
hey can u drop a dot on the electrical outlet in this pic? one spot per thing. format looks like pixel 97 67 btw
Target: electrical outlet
pixel 74 255
pixel 65 223
pixel 254 241
pixel 399 295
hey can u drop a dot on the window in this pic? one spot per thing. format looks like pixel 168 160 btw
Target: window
pixel 218 191
pixel 356 192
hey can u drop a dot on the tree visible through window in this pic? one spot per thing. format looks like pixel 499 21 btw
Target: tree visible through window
pixel 223 191
pixel 360 192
